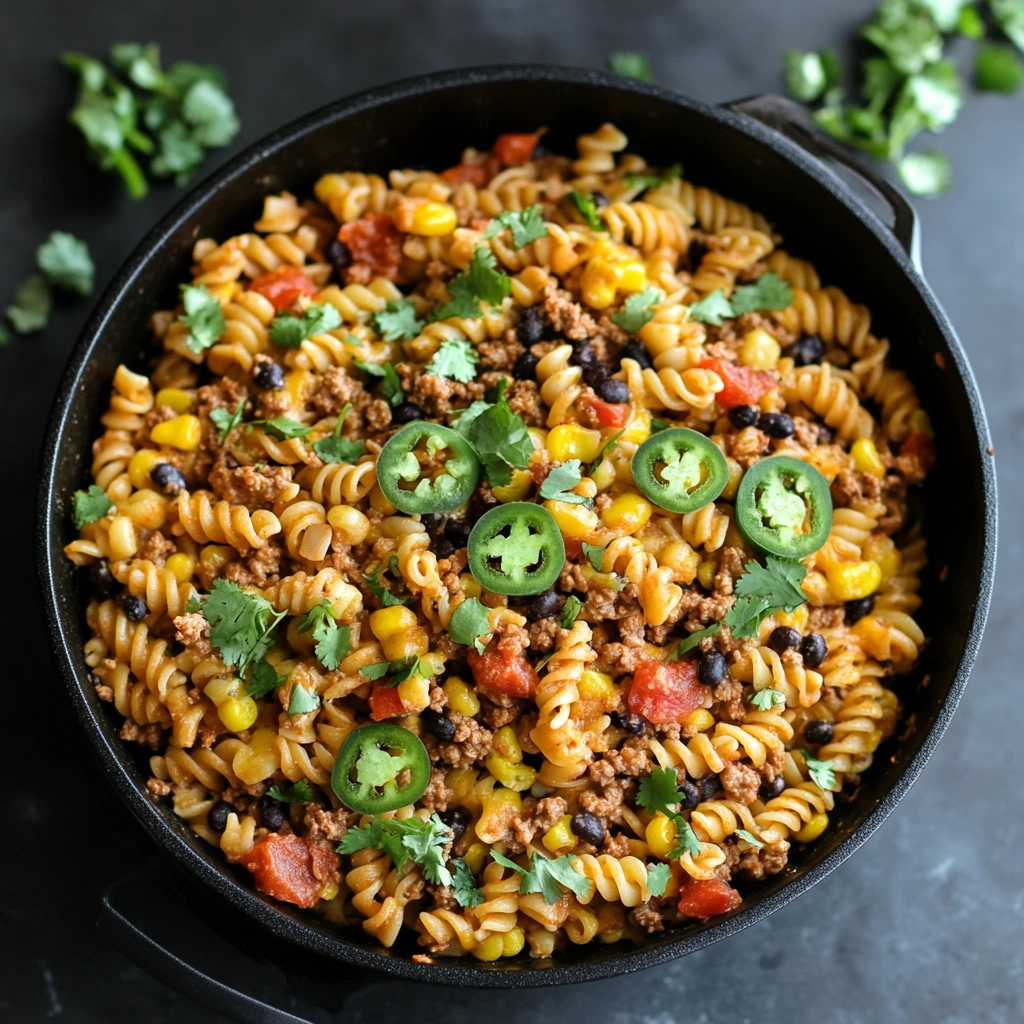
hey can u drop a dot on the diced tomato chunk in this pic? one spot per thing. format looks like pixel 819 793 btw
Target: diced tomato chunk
pixel 610 414
pixel 573 548
pixel 287 868
pixel 515 147
pixel 699 897
pixel 665 692
pixel 475 174
pixel 922 447
pixel 743 386
pixel 283 286
pixel 375 241
pixel 503 672
pixel 385 703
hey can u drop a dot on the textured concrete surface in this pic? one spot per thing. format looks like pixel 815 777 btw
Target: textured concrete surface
pixel 926 923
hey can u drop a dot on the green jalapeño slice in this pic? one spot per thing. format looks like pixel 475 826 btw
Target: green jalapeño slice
pixel 783 507
pixel 516 549
pixel 427 468
pixel 680 469
pixel 369 764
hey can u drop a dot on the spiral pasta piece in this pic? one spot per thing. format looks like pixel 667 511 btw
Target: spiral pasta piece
pixel 555 733
pixel 299 593
pixel 205 520
pixel 615 878
pixel 831 398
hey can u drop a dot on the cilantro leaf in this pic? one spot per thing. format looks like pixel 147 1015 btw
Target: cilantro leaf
pixel 395 672
pixel 29 310
pixel 646 181
pixel 660 791
pixel 822 773
pixel 937 94
pixel 764 589
pixel 299 793
pixel 636 310
pixel 282 427
pixel 559 482
pixel 66 262
pixel 398 320
pixel 462 303
pixel 657 878
pixel 456 359
pixel 808 75
pixel 391 384
pixel 366 837
pixel 606 449
pixel 469 623
pixel 544 875
pixel 291 331
pixel 90 505
pixel 631 65
pixel 499 436
pixel 570 611
pixel 226 421
pixel 766 699
pixel 409 839
pixel 926 174
pixel 587 206
pixel 712 309
pixel 998 69
pixel 749 837
pixel 464 887
pixel 596 555
pixel 337 448
pixel 379 591
pixel 240 623
pixel 769 291
pixel 906 33
pixel 302 701
pixel 334 642
pixel 526 225
pixel 263 679
pixel 691 641
pixel 487 282
pixel 203 316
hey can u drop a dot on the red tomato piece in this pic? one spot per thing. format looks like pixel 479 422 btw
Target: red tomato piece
pixel 922 447
pixel 324 860
pixel 283 286
pixel 709 897
pixel 385 702
pixel 573 548
pixel 475 174
pixel 283 867
pixel 502 672
pixel 610 414
pixel 743 386
pixel 375 241
pixel 665 692
pixel 515 147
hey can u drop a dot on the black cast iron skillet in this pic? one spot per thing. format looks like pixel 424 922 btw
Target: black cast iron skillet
pixel 758 151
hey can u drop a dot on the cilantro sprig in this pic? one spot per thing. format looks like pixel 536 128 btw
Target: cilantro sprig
pixel 411 839
pixel 391 673
pixel 547 875
pixel 299 793
pixel 570 611
pixel 606 449
pixel 470 623
pixel 379 591
pixel 499 436
pixel 559 483
pixel 769 291
pixel 526 225
pixel 456 359
pixel 587 206
pixel 689 642
pixel 764 589
pixel 647 180
pixel 226 421
pixel 660 792
pixel 90 505
pixel 464 887
pixel 203 317
pixel 391 384
pixel 632 64
pixel 822 773
pixel 302 701
pixel 337 448
pixel 480 282
pixel 241 624
pixel 637 311
pixel 334 642
pixel 291 331
pixel 398 321
pixel 657 878
pixel 263 679
pixel 766 699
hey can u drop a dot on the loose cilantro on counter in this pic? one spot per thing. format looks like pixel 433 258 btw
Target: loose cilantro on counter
pixel 763 589
pixel 660 792
pixel 547 875
pixel 397 321
pixel 559 483
pixel 631 65
pixel 998 69
pixel 203 317
pixel 809 75
pixel 334 642
pixel 822 773
pixel 456 359
pixel 90 505
pixel 470 622
pixel 30 308
pixel 291 331
pixel 300 793
pixel 414 839
pixel 636 311
pixel 526 225
pixel 66 262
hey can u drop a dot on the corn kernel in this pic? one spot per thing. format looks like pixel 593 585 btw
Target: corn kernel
pixel 460 782
pixel 506 743
pixel 386 622
pixel 415 693
pixel 599 282
pixel 661 835
pixel 491 948
pixel 475 857
pixel 850 581
pixel 700 720
pixel 797 618
pixel 517 777
pixel 433 219
pixel 470 586
pixel 597 686
pixel 638 429
pixel 866 457
pixel 512 942
pixel 380 503
pixel 706 573
pixel 627 513
pixel 573 520
pixel 735 476
pixel 759 350
pixel 633 277
pixel 571 441
pixel 297 384
pixel 221 689
pixel 349 524
pixel 330 890
pixel 812 829
pixel 560 836
pixel 122 539
pixel 176 399
pixel 518 489
pixel 411 643
pixel 461 698
pixel 180 566
pixel 606 248
pixel 182 432
pixel 216 556
pixel 238 713
pixel 501 798
pixel 140 465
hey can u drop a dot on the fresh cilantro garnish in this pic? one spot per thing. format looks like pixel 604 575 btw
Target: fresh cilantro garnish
pixel 646 181
pixel 409 839
pixel 606 450
pixel 394 672
pixel 456 359
pixel 263 679
pixel 398 321
pixel 469 623
pixel 291 331
pixel 769 291
pixel 808 75
pixel 302 701
pixel 499 436
pixel 281 427
pixel 462 303
pixel 570 611
pixel 587 206
pixel 29 310
pixel 334 642
pixel 689 642
pixel 926 174
pixel 391 384
pixel 657 426
pixel 547 875
pixel 226 421
pixel 636 310
pixel 631 65
pixel 660 792
pixel 998 69
pixel 66 262
pixel 337 448
pixel 749 837
pixel 596 555
pixel 526 225
pixel 488 283
pixel 712 309
pixel 558 484
pixel 822 773
pixel 240 623
pixel 464 887
pixel 90 505
pixel 203 317
pixel 765 700
pixel 764 589
pixel 379 591
pixel 300 793
pixel 657 878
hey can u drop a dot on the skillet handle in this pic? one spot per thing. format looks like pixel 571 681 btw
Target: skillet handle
pixel 792 120
pixel 154 929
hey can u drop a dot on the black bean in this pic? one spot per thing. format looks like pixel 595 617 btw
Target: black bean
pixel 134 607
pixel 457 820
pixel 708 787
pixel 588 827
pixel 406 413
pixel 637 351
pixel 582 353
pixel 457 531
pixel 339 254
pixel 806 350
pixel 814 649
pixel 826 435
pixel 595 374
pixel 776 424
pixel 856 610
pixel 530 328
pixel 696 253
pixel 217 816
pixel 442 547
pixel 168 478
pixel 783 637
pixel 438 724
pixel 712 668
pixel 741 416
pixel 543 606
pixel 101 579
pixel 539 151
pixel 526 367
pixel 273 814
pixel 818 732
pixel 633 724
pixel 600 199
pixel 691 795
pixel 432 522
pixel 615 391
pixel 770 790
pixel 269 376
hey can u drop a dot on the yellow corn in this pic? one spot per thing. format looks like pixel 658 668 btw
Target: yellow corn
pixel 297 384
pixel 599 281
pixel 797 619
pixel 597 686
pixel 460 782
pixel 866 457
pixel 700 720
pixel 433 219
pixel 181 432
pixel 638 429
pixel 181 566
pixel 850 581
pixel 512 942
pixel 633 277
pixel 627 513
pixel 386 622
pixel 506 743
pixel 492 948
pixel 560 836
pixel 380 503
pixel 141 463
pixel 330 890
pixel 706 574
pixel 883 551
pixel 221 689
pixel 661 835
pixel 500 798
pixel 517 777
pixel 735 476
pixel 461 698
pixel 238 713
pixel 349 524
pixel 475 857
pixel 410 643
pixel 216 556
pixel 571 441
pixel 415 693
pixel 470 586
pixel 174 398
pixel 573 520
pixel 812 829
pixel 759 350
pixel 518 489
